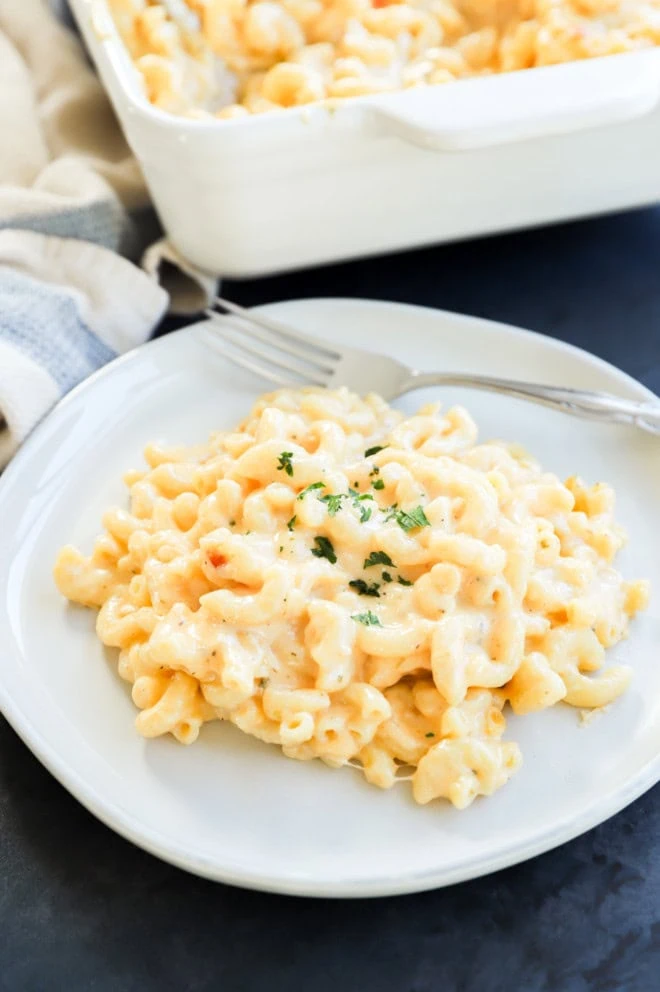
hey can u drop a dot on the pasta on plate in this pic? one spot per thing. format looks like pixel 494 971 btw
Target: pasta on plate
pixel 230 58
pixel 359 587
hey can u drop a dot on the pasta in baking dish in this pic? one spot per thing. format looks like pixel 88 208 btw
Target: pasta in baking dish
pixel 359 587
pixel 228 58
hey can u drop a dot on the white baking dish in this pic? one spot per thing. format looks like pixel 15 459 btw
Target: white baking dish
pixel 374 174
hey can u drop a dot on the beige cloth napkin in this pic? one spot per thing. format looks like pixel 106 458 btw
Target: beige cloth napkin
pixel 72 200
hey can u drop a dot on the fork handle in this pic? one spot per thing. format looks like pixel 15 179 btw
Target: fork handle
pixel 579 402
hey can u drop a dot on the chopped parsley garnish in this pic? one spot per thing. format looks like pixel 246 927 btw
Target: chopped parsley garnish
pixel 367 619
pixel 378 484
pixel 284 463
pixel 378 558
pixel 386 577
pixel 375 471
pixel 403 582
pixel 374 451
pixel 358 503
pixel 324 549
pixel 309 489
pixel 430 734
pixel 392 513
pixel 363 588
pixel 365 513
pixel 292 522
pixel 412 519
pixel 333 502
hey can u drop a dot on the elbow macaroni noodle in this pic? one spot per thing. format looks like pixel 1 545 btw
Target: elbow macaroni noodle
pixel 242 57
pixel 361 588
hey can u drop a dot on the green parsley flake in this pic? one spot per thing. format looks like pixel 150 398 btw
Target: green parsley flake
pixel 431 734
pixel 403 582
pixel 367 619
pixel 378 558
pixel 378 484
pixel 284 463
pixel 392 512
pixel 386 577
pixel 324 549
pixel 374 451
pixel 358 503
pixel 333 502
pixel 292 522
pixel 309 489
pixel 363 588
pixel 412 519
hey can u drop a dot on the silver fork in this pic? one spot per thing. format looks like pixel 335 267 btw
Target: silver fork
pixel 290 358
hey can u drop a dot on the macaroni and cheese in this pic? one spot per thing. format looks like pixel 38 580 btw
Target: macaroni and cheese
pixel 227 58
pixel 359 587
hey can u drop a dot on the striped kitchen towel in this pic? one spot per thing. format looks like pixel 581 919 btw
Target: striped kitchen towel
pixel 74 221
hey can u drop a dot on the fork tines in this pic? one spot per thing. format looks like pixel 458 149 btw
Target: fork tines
pixel 269 349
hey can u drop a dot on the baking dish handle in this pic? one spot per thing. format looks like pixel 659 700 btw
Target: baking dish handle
pixel 520 106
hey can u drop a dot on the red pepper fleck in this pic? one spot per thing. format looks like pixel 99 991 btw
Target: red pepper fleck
pixel 217 560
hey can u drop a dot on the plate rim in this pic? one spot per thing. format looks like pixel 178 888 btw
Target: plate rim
pixel 131 828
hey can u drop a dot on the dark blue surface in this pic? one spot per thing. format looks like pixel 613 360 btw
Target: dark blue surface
pixel 82 909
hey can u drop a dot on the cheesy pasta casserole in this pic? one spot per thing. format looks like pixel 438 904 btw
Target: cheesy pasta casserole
pixel 227 58
pixel 359 587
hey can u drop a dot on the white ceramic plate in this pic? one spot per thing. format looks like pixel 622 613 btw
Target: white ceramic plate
pixel 229 807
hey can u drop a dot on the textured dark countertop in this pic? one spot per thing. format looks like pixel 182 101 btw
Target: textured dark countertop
pixel 82 909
